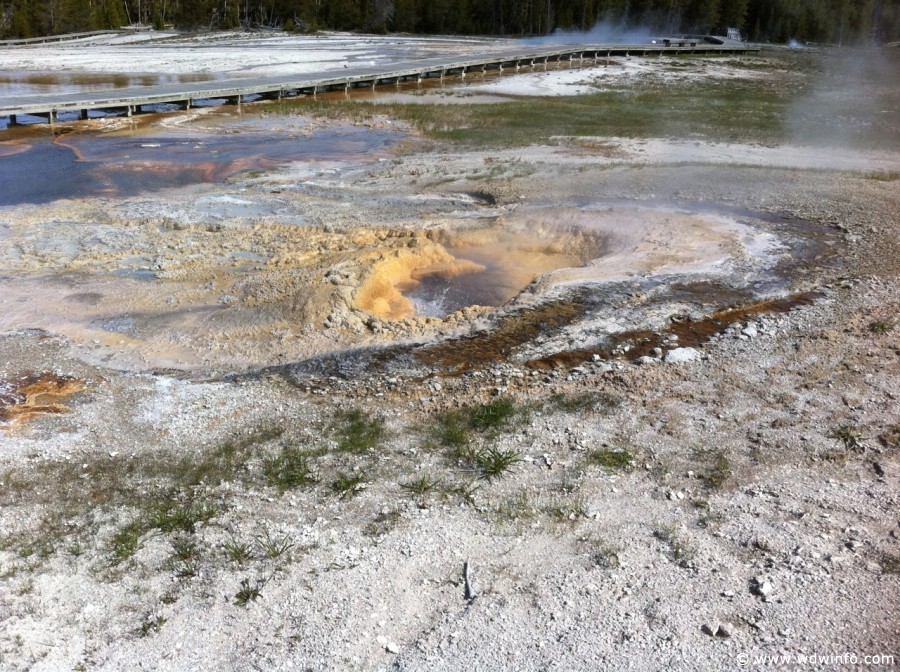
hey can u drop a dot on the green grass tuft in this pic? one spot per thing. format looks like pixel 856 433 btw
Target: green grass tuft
pixel 237 551
pixel 358 432
pixel 248 592
pixel 179 518
pixel 290 468
pixel 611 459
pixel 848 435
pixel 492 463
pixel 883 176
pixel 456 429
pixel 348 485
pixel 274 547
pixel 492 416
pixel 421 486
pixel 880 327
pixel 125 541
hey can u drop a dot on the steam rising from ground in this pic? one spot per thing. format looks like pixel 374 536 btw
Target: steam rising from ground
pixel 605 32
pixel 854 101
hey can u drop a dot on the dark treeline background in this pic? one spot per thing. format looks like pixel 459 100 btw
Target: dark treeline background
pixel 823 21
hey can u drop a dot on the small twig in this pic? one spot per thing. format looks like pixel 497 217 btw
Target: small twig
pixel 469 592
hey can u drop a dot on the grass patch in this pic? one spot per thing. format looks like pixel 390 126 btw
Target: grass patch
pixel 880 327
pixel 249 591
pixel 620 459
pixel 165 518
pixel 848 436
pixel 566 509
pixel 883 176
pixel 358 432
pixel 734 110
pixel 457 429
pixel 453 431
pixel 584 402
pixel 348 485
pixel 421 486
pixel 274 547
pixel 773 107
pixel 220 465
pixel 492 416
pixel 493 463
pixel 237 551
pixel 151 625
pixel 185 557
pixel 290 468
pixel 125 542
pixel 72 491
pixel 179 518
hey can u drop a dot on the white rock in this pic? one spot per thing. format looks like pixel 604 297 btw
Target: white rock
pixel 682 355
pixel 391 647
pixel 750 332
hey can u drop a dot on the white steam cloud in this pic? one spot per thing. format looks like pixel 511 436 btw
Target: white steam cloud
pixel 602 33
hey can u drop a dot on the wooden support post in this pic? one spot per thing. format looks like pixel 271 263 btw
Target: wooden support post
pixel 83 115
pixel 13 120
pixel 129 110
pixel 51 117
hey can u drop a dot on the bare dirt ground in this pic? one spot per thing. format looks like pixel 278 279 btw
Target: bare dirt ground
pixel 646 388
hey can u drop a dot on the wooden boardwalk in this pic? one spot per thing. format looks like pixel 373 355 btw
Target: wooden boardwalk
pixel 131 100
pixel 66 37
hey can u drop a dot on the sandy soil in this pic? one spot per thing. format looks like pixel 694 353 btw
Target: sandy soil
pixel 694 483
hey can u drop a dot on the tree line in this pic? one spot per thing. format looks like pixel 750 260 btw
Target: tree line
pixel 820 21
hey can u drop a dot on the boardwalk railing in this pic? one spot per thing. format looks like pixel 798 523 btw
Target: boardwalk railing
pixel 67 37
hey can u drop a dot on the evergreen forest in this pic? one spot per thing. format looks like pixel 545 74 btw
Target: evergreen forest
pixel 843 22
